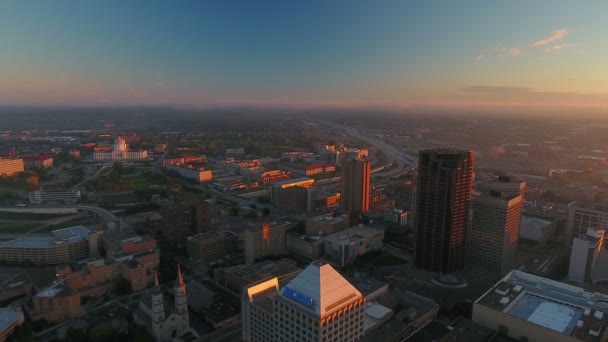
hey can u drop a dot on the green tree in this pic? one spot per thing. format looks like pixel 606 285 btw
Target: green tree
pixel 23 333
pixel 142 335
pixel 122 286
pixel 118 167
pixel 102 333
pixel 74 335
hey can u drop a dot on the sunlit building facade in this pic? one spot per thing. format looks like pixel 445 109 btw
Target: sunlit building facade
pixel 291 195
pixel 317 305
pixel 356 186
pixel 9 167
pixel 589 257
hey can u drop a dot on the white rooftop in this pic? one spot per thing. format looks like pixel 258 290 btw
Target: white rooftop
pixel 375 315
pixel 377 311
pixel 320 289
pixel 554 316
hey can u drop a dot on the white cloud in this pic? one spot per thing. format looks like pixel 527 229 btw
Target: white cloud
pixel 559 47
pixel 555 36
pixel 500 52
pixel 514 52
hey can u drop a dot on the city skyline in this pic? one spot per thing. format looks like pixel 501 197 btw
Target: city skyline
pixel 344 54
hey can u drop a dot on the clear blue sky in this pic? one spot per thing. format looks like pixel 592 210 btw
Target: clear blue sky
pixel 304 52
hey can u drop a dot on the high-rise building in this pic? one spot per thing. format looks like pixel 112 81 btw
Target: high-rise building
pixel 265 240
pixel 184 219
pixel 589 258
pixel 356 178
pixel 445 178
pixel 583 215
pixel 494 233
pixel 317 305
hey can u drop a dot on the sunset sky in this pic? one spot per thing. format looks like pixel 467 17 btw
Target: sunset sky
pixel 344 53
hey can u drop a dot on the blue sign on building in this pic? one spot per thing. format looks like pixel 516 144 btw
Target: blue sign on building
pixel 298 297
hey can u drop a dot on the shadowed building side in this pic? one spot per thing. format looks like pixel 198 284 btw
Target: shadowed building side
pixel 445 180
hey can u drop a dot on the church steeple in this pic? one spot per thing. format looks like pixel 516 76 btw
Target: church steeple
pixel 180 279
pixel 156 295
pixel 181 303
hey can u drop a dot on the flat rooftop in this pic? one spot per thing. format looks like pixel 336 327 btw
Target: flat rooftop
pixel 212 234
pixel 375 314
pixel 258 227
pixel 354 233
pixel 329 217
pixel 590 206
pixel 560 307
pixel 364 283
pixel 73 234
pixel 53 290
pixel 533 227
pixel 40 241
pixel 118 235
pixel 264 269
pixel 292 181
pixel 307 238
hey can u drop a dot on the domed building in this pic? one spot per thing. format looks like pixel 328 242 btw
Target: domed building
pixel 120 151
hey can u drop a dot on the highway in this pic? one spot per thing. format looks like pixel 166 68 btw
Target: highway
pixel 106 215
pixel 391 152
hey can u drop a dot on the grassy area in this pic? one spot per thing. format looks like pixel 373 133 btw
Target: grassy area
pixel 16 228
pixel 388 260
pixel 6 215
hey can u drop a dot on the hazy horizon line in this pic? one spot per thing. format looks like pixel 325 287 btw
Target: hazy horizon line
pixel 500 107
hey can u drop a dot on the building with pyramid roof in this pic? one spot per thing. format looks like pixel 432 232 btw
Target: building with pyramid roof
pixel 317 305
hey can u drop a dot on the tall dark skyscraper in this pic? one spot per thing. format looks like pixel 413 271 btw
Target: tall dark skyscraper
pixel 445 181
pixel 356 179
